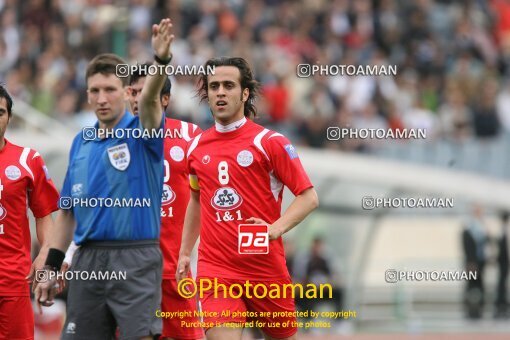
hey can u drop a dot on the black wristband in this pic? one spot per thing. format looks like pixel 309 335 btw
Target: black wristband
pixel 161 61
pixel 55 258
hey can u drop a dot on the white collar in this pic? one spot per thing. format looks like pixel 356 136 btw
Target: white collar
pixel 230 127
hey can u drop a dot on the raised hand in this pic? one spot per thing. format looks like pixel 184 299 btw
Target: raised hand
pixel 162 38
pixel 37 265
pixel 273 231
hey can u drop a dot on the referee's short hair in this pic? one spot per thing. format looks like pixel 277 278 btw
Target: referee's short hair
pixel 4 94
pixel 106 64
pixel 141 72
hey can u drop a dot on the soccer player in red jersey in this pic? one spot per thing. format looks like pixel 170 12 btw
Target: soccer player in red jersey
pixel 24 182
pixel 237 173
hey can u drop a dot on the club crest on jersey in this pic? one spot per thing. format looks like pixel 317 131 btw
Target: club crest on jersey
pixel 226 199
pixel 291 150
pixel 3 212
pixel 77 189
pixel 244 158
pixel 206 159
pixel 168 195
pixel 12 172
pixel 119 156
pixel 177 153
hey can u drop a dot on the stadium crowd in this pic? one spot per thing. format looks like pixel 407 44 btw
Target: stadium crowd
pixel 453 59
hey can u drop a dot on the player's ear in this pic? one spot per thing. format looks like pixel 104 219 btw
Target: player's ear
pixel 127 92
pixel 165 100
pixel 245 95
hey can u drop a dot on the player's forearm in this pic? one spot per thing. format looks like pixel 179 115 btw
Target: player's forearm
pixel 61 232
pixel 191 228
pixel 43 228
pixel 301 207
pixel 150 105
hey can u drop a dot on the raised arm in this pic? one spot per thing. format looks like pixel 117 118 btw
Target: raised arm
pixel 150 106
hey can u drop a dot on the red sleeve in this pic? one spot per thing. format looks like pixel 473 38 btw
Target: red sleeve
pixel 42 194
pixel 286 164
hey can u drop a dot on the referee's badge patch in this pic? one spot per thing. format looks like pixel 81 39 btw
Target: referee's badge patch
pixel 119 156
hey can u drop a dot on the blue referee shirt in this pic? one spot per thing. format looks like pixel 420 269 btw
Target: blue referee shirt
pixel 122 169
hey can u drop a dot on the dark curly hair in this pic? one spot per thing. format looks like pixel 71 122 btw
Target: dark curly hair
pixel 247 81
pixel 8 100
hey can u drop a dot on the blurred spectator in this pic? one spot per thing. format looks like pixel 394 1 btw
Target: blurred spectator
pixel 394 117
pixel 485 117
pixel 318 271
pixel 367 118
pixel 501 302
pixel 503 106
pixel 419 117
pixel 455 115
pixel 312 131
pixel 10 41
pixel 474 240
pixel 277 100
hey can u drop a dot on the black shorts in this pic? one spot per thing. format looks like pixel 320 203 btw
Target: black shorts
pixel 122 289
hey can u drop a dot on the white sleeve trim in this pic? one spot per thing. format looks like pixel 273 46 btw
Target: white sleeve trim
pixel 258 142
pixel 193 145
pixel 185 131
pixel 23 161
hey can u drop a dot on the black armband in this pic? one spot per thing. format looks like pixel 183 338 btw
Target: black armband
pixel 55 258
pixel 161 61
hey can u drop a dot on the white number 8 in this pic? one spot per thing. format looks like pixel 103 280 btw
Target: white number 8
pixel 223 172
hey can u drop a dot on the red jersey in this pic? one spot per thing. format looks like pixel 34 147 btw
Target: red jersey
pixel 24 182
pixel 241 174
pixel 175 191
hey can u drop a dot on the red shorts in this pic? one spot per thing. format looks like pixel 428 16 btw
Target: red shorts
pixel 225 307
pixel 172 302
pixel 16 318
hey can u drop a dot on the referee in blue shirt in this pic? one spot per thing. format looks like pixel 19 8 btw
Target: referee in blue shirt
pixel 112 193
